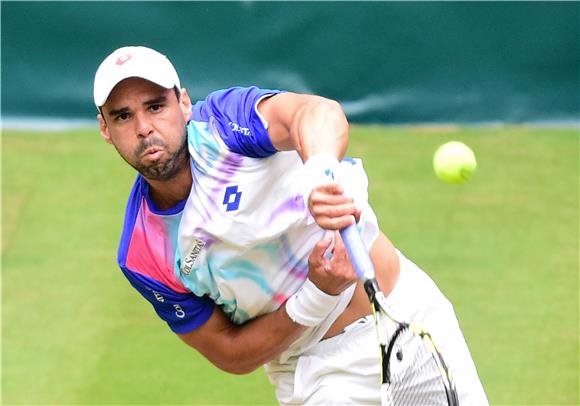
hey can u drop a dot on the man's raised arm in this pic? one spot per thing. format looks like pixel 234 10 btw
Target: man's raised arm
pixel 308 124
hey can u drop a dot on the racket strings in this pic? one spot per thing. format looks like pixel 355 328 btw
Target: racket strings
pixel 415 376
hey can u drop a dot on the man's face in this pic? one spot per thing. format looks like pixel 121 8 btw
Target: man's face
pixel 146 124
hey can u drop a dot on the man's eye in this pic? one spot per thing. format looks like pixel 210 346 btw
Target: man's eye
pixel 123 117
pixel 155 107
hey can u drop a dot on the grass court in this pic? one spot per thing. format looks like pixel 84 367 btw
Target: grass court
pixel 503 247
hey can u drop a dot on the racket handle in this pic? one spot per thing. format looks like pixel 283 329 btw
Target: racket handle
pixel 357 252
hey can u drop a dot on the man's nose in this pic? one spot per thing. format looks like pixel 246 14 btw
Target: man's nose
pixel 144 125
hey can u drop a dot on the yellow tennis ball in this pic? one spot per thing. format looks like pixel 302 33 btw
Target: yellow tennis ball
pixel 454 162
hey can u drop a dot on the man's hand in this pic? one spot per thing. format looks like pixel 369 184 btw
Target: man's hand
pixel 333 275
pixel 331 209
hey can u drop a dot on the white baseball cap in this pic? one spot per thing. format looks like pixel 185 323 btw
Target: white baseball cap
pixel 126 62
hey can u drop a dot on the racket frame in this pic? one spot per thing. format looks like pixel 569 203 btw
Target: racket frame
pixel 365 270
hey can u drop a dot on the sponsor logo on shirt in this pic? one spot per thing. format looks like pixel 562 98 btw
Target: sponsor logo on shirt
pixel 239 129
pixel 190 258
pixel 232 198
pixel 179 311
pixel 158 297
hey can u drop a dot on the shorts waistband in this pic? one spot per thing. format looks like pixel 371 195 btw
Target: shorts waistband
pixel 351 331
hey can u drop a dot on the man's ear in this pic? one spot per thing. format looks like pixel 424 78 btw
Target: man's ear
pixel 104 129
pixel 185 104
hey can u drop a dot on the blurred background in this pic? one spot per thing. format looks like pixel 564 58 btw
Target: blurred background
pixel 503 77
pixel 385 62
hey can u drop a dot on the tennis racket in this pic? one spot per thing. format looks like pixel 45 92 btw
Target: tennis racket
pixel 413 370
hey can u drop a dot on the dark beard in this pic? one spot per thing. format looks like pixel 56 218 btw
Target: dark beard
pixel 162 170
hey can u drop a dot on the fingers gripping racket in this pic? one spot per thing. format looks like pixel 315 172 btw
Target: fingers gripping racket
pixel 413 370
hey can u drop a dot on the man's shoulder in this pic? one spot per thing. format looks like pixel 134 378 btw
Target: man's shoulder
pixel 230 99
pixel 134 201
pixel 135 198
pixel 232 115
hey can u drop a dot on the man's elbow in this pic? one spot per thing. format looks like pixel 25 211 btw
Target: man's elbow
pixel 237 367
pixel 223 354
pixel 328 107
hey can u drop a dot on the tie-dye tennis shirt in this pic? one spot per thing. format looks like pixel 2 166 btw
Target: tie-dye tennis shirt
pixel 241 239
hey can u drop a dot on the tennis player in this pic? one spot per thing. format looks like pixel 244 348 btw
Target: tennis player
pixel 230 233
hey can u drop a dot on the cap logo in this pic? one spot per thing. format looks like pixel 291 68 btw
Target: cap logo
pixel 123 59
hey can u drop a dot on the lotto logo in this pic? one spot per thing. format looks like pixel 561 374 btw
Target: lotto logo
pixel 232 198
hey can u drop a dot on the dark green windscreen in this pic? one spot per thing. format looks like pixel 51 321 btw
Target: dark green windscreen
pixel 386 62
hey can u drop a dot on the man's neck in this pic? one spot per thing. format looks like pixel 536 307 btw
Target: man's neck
pixel 166 194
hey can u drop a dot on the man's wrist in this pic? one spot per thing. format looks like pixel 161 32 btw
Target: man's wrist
pixel 310 305
pixel 319 169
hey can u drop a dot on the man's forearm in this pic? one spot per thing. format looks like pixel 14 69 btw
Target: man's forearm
pixel 263 339
pixel 240 349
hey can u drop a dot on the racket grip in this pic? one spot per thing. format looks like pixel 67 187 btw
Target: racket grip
pixel 357 252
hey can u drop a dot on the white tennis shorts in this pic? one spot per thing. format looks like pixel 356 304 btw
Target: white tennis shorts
pixel 345 369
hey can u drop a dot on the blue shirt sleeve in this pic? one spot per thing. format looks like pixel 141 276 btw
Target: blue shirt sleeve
pixel 234 113
pixel 183 312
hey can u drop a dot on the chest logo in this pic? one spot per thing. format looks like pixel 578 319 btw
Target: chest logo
pixel 190 258
pixel 232 198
